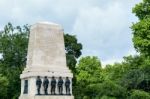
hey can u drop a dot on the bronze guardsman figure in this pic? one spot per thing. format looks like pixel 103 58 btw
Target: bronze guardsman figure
pixel 45 84
pixel 38 84
pixel 53 85
pixel 60 85
pixel 67 85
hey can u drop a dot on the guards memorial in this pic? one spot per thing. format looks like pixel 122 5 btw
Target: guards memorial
pixel 46 75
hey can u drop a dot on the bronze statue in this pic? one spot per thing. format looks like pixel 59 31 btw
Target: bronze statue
pixel 53 85
pixel 45 84
pixel 60 85
pixel 38 84
pixel 67 85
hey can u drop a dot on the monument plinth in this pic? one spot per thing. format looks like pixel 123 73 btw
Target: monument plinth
pixel 46 75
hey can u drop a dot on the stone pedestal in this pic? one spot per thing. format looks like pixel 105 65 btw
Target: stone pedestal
pixel 47 97
pixel 46 57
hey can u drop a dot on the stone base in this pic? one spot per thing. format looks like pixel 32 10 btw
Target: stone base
pixel 45 97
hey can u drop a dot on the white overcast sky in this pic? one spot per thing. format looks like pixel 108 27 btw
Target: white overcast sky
pixel 102 26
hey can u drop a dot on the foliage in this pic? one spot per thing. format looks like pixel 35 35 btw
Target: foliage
pixel 141 38
pixel 88 72
pixel 138 94
pixel 141 29
pixel 132 79
pixel 89 67
pixel 107 97
pixel 142 10
pixel 13 46
pixel 115 81
pixel 107 88
pixel 131 73
pixel 145 83
pixel 73 50
pixel 3 89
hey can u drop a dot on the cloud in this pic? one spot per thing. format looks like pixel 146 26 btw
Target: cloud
pixel 102 26
pixel 105 32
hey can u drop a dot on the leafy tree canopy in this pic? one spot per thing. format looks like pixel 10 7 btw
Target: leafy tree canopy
pixel 142 10
pixel 141 29
pixel 139 94
pixel 89 67
pixel 3 89
pixel 88 72
pixel 73 50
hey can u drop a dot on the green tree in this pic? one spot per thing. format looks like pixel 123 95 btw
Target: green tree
pixel 116 71
pixel 73 50
pixel 88 72
pixel 89 67
pixel 106 88
pixel 132 79
pixel 145 83
pixel 3 86
pixel 141 40
pixel 142 10
pixel 138 94
pixel 13 46
pixel 141 29
pixel 131 73
pixel 107 97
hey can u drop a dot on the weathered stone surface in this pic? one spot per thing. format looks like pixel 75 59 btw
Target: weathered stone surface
pixel 47 97
pixel 54 97
pixel 46 57
pixel 46 51
pixel 46 46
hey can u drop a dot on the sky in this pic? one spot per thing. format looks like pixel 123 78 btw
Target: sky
pixel 102 26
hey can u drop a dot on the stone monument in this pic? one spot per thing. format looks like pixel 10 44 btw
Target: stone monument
pixel 46 64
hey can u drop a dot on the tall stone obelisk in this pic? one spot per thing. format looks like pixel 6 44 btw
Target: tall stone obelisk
pixel 46 57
